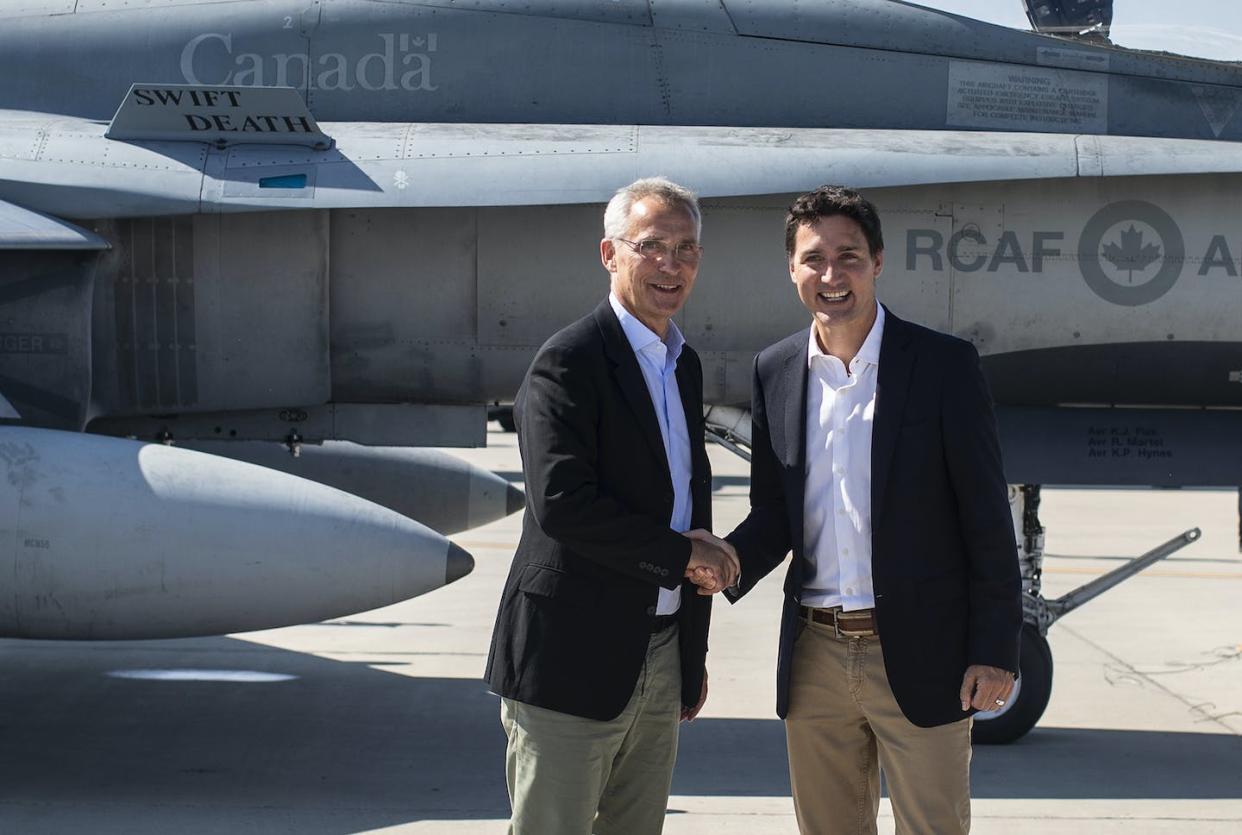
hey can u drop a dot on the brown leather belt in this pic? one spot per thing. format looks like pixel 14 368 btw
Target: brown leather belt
pixel 663 622
pixel 860 624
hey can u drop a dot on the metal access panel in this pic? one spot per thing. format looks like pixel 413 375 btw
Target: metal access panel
pixel 213 312
pixel 743 259
pixel 45 336
pixel 420 60
pixel 403 313
pixel 541 270
pixel 261 309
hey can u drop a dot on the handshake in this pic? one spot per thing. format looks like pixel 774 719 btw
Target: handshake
pixel 714 565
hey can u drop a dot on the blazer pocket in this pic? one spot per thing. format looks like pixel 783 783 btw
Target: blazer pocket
pixel 553 583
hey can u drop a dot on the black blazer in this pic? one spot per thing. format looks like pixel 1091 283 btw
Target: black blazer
pixel 944 561
pixel 577 609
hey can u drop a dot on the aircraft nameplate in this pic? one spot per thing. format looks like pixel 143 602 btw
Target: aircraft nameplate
pixel 1076 59
pixel 1149 447
pixel 219 115
pixel 1024 98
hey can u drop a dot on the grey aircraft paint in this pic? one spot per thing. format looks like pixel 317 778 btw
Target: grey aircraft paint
pixel 674 62
pixel 177 311
pixel 169 543
pixel 1070 209
pixel 444 493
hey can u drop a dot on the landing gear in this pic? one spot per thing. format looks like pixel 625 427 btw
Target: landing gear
pixel 1034 684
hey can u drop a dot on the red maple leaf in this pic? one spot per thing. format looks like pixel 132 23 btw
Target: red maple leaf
pixel 1132 254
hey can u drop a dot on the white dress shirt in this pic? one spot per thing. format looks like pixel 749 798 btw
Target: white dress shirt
pixel 840 412
pixel 658 361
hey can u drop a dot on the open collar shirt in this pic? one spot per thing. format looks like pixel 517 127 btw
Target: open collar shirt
pixel 840 413
pixel 657 359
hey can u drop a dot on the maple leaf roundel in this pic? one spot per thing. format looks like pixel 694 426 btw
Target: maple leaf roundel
pixel 1143 269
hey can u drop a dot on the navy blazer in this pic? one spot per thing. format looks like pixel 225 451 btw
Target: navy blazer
pixel 577 609
pixel 943 556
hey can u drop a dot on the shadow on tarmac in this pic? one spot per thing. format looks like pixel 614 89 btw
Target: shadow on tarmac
pixel 746 757
pixel 373 749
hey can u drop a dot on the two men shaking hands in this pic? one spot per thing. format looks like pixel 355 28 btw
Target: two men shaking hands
pixel 714 565
pixel 875 460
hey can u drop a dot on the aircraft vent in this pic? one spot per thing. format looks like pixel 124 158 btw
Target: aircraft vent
pixel 154 297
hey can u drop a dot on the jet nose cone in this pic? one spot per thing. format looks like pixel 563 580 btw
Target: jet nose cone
pixel 515 500
pixel 458 564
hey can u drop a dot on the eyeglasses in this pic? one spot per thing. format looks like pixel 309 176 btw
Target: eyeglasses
pixel 652 248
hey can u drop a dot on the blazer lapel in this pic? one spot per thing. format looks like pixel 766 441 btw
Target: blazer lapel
pixel 794 376
pixel 690 387
pixel 892 385
pixel 630 380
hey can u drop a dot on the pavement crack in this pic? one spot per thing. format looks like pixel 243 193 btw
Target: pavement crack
pixel 1120 671
pixel 1220 655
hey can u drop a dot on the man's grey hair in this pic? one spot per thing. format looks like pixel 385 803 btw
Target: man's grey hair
pixel 617 215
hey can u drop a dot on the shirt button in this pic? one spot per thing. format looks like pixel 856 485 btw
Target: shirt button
pixel 841 512
pixel 849 591
pixel 838 470
pixel 846 552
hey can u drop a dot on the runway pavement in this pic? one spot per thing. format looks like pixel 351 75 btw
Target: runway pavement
pixel 379 722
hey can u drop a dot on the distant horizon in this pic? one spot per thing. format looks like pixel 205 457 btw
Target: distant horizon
pixel 1203 28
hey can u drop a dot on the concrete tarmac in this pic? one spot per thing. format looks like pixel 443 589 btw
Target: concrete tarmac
pixel 379 722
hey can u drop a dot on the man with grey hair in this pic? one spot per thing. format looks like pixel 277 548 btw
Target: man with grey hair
pixel 601 637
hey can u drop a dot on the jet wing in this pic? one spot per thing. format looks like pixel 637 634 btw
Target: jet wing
pixel 25 229
pixel 67 167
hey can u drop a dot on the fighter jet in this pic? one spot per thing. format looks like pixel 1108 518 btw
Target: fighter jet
pixel 294 223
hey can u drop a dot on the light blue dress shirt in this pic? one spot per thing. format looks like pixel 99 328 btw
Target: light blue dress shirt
pixel 657 359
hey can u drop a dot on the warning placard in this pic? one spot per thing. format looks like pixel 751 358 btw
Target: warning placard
pixel 1025 98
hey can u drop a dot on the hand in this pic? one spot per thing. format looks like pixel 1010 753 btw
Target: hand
pixel 688 713
pixel 714 565
pixel 985 688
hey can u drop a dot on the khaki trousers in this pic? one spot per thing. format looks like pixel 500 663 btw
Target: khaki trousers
pixel 569 775
pixel 844 726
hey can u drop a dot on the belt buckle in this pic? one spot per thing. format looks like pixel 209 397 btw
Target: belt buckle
pixel 847 632
pixel 836 625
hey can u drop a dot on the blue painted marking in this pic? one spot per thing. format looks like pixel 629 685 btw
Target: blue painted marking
pixel 286 181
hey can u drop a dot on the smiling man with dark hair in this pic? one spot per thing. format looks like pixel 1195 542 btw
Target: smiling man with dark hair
pixel 875 458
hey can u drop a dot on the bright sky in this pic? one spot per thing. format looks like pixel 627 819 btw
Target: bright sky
pixel 1203 28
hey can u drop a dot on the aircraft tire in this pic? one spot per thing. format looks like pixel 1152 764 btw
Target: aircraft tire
pixel 1029 699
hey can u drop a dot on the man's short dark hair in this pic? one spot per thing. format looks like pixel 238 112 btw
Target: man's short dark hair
pixel 827 201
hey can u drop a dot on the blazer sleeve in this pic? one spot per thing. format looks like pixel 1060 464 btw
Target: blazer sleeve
pixel 973 459
pixel 558 435
pixel 763 538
